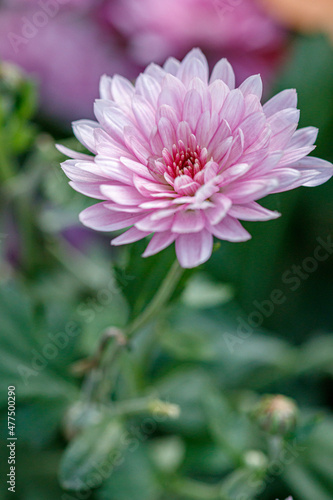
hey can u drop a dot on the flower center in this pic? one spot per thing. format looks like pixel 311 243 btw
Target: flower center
pixel 184 161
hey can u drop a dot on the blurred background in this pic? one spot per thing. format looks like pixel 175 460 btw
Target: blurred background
pixel 256 319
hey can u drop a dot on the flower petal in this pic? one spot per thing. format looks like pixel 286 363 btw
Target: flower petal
pixel 159 242
pixel 194 249
pixel 223 71
pixel 230 229
pixel 188 221
pixel 253 212
pixel 129 236
pixel 285 99
pixel 100 218
pixel 124 195
pixel 252 85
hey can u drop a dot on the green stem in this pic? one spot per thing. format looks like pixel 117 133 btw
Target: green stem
pixel 6 171
pixel 160 299
pixel 112 351
pixel 195 490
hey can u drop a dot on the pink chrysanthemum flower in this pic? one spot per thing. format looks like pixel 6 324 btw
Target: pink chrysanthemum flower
pixel 184 157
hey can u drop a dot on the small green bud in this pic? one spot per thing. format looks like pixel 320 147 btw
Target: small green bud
pixel 276 414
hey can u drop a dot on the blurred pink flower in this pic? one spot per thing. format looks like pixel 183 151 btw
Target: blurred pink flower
pixel 67 55
pixel 237 29
pixel 183 156
pixel 68 44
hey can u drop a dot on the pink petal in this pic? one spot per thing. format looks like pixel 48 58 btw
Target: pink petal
pixel 221 207
pixel 304 137
pixel 147 188
pixel 167 132
pixel 283 119
pixel 246 191
pixel 156 72
pixel 169 113
pixel 183 133
pixel 105 87
pixel 324 170
pixel 196 54
pixel 114 170
pixel 252 127
pixel 129 236
pixel 285 99
pixel 100 218
pixel 148 88
pixel 252 105
pixel 194 249
pixel 134 143
pixel 210 171
pixel 188 221
pixel 144 115
pixel 223 131
pixel 293 155
pixel 223 71
pixel 124 195
pixel 253 212
pixel 252 85
pixel 192 108
pixel 73 154
pixel 205 192
pixel 122 90
pixel 172 66
pixel 173 92
pixel 192 68
pixel 83 171
pixel 137 168
pixel 115 121
pixel 283 138
pixel 91 189
pixel 230 229
pixel 159 242
pixel 233 108
pixel 185 185
pixel 84 132
pixel 234 172
pixel 151 225
pixel 218 91
pixel 107 146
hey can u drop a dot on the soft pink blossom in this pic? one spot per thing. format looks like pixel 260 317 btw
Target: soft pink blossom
pixel 157 29
pixel 66 56
pixel 75 41
pixel 183 156
pixel 237 29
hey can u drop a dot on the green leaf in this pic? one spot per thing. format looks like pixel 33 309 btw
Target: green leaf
pixel 201 292
pixel 31 360
pixel 135 478
pixel 93 455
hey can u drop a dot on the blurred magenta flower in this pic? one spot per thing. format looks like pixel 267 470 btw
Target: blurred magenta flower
pixel 58 40
pixel 237 29
pixel 184 157
pixel 64 47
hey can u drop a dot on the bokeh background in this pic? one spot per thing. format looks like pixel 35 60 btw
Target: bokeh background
pixel 222 343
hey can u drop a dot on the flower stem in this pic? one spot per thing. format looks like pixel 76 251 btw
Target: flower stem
pixel 160 299
pixel 105 360
pixel 195 490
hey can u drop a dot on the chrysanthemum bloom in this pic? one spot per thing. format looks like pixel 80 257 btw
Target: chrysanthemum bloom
pixel 184 157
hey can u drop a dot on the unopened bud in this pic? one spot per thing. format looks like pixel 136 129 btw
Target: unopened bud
pixel 276 414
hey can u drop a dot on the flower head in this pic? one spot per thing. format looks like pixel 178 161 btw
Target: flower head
pixel 184 157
